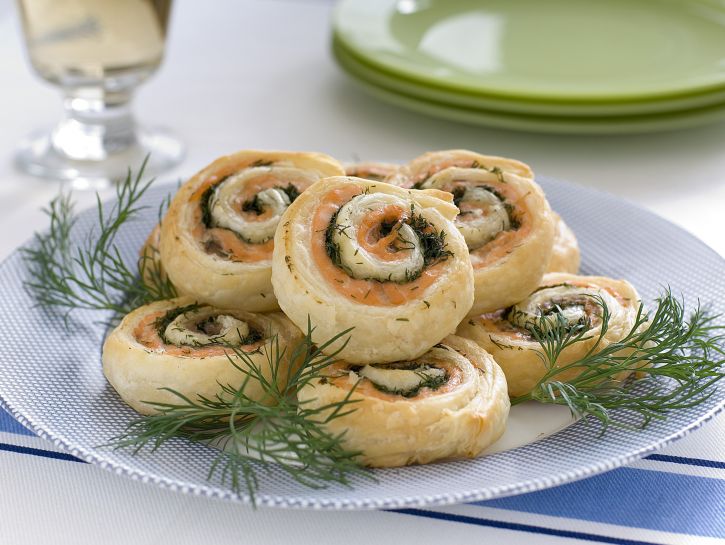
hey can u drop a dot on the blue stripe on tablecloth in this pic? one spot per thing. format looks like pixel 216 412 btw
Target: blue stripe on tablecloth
pixel 649 499
pixel 10 425
pixel 39 452
pixel 686 460
pixel 656 500
pixel 479 521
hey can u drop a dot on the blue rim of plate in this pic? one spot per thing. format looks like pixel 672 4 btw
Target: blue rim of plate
pixel 577 451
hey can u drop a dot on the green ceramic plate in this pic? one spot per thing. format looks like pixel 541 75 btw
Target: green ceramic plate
pixel 544 50
pixel 397 83
pixel 545 124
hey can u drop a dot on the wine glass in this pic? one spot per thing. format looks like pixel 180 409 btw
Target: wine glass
pixel 97 52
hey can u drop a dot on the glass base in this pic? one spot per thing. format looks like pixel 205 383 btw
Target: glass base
pixel 37 156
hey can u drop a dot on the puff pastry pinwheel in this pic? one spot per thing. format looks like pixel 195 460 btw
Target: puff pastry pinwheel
pixel 185 346
pixel 505 219
pixel 577 300
pixel 377 172
pixel 451 402
pixel 414 173
pixel 565 255
pixel 217 236
pixel 386 261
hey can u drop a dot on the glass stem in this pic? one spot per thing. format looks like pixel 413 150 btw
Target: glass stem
pixel 95 125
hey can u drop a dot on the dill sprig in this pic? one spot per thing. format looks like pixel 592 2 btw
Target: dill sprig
pixel 91 273
pixel 255 434
pixel 674 359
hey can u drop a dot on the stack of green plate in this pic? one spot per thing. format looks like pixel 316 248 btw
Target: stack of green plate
pixel 566 66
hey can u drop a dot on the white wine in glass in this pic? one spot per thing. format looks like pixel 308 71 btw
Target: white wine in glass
pixel 97 52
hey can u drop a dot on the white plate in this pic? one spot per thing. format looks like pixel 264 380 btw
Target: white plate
pixel 51 379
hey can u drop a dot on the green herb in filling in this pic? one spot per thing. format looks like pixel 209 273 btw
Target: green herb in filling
pixel 291 191
pixel 163 322
pixel 331 247
pixel 208 326
pixel 433 243
pixel 204 203
pixel 261 163
pixel 253 205
pixel 432 382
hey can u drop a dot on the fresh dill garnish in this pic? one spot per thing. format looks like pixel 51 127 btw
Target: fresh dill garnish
pixel 255 436
pixel 91 274
pixel 674 360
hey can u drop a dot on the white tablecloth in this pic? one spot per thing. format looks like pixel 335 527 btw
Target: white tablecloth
pixel 258 74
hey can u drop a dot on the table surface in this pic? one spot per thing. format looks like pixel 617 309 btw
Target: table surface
pixel 258 74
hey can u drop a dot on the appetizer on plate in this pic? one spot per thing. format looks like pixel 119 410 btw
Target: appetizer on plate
pixel 504 217
pixel 385 261
pixel 217 237
pixel 567 301
pixel 451 402
pixel 428 164
pixel 187 347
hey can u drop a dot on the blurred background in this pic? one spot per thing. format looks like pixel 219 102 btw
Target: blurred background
pixel 262 74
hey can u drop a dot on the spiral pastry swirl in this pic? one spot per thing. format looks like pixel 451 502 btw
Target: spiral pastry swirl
pixel 216 239
pixel 451 402
pixel 185 346
pixel 562 299
pixel 414 173
pixel 388 262
pixel 505 219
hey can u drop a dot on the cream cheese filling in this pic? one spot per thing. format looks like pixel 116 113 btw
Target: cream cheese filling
pixel 206 326
pixel 361 263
